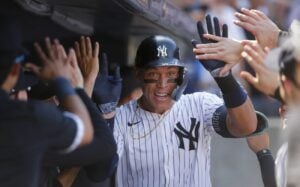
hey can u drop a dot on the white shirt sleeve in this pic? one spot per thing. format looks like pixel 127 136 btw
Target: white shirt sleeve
pixel 79 132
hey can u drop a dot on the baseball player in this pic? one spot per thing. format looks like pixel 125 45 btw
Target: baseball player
pixel 164 139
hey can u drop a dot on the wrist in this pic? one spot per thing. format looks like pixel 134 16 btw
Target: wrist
pixel 233 94
pixel 63 88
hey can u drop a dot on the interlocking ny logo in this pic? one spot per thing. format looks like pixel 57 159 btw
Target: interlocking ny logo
pixel 162 51
pixel 183 133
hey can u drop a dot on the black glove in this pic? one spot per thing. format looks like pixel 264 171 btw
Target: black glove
pixel 213 66
pixel 107 89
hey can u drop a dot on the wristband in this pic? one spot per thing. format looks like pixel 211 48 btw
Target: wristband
pixel 233 94
pixel 62 88
pixel 263 152
pixel 107 107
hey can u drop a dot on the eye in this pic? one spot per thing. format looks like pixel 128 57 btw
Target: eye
pixel 172 74
pixel 151 75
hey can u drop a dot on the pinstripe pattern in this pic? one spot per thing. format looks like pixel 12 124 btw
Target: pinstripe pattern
pixel 155 159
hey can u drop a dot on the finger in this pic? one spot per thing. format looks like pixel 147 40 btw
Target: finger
pixel 248 42
pixel 72 58
pixel 260 14
pixel 82 46
pixel 225 69
pixel 77 50
pixel 40 53
pixel 213 37
pixel 96 50
pixel 117 75
pixel 201 32
pixel 249 78
pixel 55 47
pixel 88 46
pixel 33 68
pixel 254 54
pixel 49 48
pixel 225 31
pixel 256 67
pixel 261 53
pixel 61 52
pixel 205 50
pixel 250 13
pixel 104 65
pixel 209 24
pixel 217 27
pixel 245 18
pixel 245 26
pixel 208 56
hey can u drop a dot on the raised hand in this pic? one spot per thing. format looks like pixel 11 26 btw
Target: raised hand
pixel 107 88
pixel 225 49
pixel 212 65
pixel 55 61
pixel 265 30
pixel 266 80
pixel 88 62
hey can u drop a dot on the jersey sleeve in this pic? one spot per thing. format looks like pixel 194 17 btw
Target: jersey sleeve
pixel 61 131
pixel 210 103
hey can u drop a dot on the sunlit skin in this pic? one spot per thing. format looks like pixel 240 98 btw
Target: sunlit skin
pixel 157 94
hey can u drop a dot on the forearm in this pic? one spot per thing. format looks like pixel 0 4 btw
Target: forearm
pixel 241 119
pixel 70 101
pixel 103 140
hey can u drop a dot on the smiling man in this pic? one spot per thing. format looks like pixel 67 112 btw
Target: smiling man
pixel 164 139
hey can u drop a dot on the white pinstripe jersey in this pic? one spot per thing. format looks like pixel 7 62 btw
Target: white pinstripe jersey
pixel 172 149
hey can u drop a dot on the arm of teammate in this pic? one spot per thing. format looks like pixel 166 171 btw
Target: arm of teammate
pixel 260 145
pixel 56 70
pixel 240 117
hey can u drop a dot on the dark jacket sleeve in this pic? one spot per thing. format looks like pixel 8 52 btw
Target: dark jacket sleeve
pixel 102 149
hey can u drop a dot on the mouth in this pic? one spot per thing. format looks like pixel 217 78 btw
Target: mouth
pixel 161 96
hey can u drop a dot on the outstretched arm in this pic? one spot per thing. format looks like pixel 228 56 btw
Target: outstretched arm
pixel 240 119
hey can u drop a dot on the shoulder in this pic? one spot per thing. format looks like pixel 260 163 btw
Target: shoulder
pixel 128 107
pixel 200 96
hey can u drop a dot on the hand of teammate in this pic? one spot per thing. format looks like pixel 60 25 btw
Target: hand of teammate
pixel 107 88
pixel 88 62
pixel 212 65
pixel 266 80
pixel 265 30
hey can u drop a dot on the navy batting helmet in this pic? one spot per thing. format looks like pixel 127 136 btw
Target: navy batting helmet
pixel 158 51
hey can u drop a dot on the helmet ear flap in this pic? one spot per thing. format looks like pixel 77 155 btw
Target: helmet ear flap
pixel 181 84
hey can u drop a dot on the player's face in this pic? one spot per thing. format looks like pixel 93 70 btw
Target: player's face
pixel 158 86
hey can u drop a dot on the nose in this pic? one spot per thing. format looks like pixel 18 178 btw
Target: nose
pixel 162 82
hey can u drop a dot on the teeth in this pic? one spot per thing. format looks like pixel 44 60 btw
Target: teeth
pixel 161 94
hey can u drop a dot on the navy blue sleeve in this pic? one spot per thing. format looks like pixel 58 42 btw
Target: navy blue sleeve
pixel 57 130
pixel 102 148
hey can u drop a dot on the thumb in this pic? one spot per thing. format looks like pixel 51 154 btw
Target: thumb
pixel 248 77
pixel 225 69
